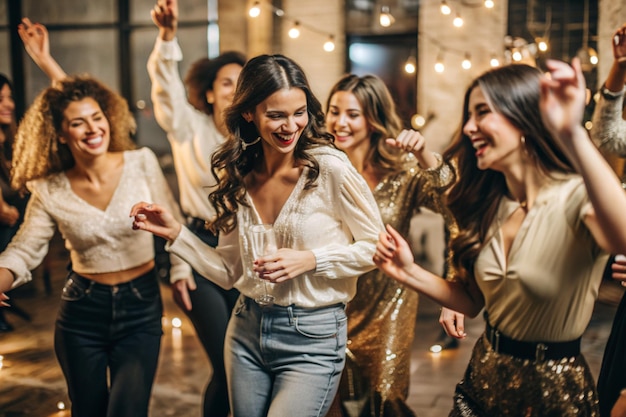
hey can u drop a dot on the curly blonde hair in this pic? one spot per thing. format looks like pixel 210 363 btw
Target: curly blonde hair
pixel 37 151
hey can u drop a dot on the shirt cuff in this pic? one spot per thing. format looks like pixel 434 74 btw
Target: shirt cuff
pixel 169 50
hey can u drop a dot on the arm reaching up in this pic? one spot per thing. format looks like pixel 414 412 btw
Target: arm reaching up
pixel 37 44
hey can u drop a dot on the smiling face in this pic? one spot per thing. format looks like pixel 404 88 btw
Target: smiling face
pixel 345 120
pixel 280 119
pixel 223 89
pixel 7 105
pixel 495 139
pixel 85 129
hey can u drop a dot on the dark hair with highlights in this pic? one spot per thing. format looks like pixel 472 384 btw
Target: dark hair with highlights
pixel 512 91
pixel 8 130
pixel 261 77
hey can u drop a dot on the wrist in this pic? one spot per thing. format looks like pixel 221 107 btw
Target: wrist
pixel 175 232
pixel 167 34
pixel 609 94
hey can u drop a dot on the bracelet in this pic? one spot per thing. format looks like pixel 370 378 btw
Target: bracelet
pixel 610 95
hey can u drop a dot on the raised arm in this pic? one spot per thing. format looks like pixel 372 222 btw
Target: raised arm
pixel 165 17
pixel 562 107
pixel 609 127
pixel 37 44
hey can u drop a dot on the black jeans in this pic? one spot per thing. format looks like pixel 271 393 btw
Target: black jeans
pixel 211 309
pixel 114 328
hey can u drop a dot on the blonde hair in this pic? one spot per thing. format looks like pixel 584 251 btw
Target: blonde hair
pixel 37 151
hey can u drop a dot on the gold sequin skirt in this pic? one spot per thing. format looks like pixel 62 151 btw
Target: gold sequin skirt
pixel 497 384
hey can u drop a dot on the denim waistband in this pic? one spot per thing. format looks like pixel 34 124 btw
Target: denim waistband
pixel 146 278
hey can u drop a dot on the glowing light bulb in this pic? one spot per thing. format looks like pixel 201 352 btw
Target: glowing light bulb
pixel 385 18
pixel 467 63
pixel 489 4
pixel 177 323
pixel 329 45
pixel 255 10
pixel 494 62
pixel 445 9
pixel 436 348
pixel 294 32
pixel 458 21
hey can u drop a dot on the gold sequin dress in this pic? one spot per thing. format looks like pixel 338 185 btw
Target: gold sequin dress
pixel 381 317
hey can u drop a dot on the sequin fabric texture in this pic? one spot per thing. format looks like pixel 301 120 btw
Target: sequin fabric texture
pixel 551 388
pixel 381 317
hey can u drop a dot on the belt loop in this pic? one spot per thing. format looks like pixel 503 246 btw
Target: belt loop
pixel 496 345
pixel 292 318
pixel 540 352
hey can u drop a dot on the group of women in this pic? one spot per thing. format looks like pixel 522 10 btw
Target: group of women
pixel 531 206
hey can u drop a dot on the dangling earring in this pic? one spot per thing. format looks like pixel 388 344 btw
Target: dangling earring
pixel 523 140
pixel 245 145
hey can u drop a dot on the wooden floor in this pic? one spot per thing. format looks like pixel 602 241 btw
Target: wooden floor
pixel 31 383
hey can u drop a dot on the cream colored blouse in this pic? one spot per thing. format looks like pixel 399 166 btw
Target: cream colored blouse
pixel 98 240
pixel 546 289
pixel 337 220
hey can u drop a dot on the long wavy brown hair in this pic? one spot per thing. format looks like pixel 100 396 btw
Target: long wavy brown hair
pixel 380 114
pixel 261 77
pixel 38 153
pixel 512 91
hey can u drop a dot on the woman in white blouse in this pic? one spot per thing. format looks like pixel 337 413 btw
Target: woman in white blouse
pixel 194 122
pixel 73 152
pixel 279 167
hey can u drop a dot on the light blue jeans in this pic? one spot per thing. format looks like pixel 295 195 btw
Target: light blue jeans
pixel 284 361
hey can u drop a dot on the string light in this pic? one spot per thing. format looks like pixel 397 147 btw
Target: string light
pixel 255 10
pixel 458 21
pixel 329 45
pixel 467 62
pixel 489 4
pixel 439 67
pixel 295 30
pixel 385 18
pixel 410 66
pixel 445 9
pixel 542 44
pixel 494 62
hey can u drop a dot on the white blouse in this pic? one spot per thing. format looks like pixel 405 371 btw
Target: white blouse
pixel 337 220
pixel 192 134
pixel 99 241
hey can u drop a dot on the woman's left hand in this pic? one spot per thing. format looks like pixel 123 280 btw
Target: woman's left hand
pixel 284 265
pixel 563 97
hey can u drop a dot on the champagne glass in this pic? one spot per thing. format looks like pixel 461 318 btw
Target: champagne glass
pixel 263 241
